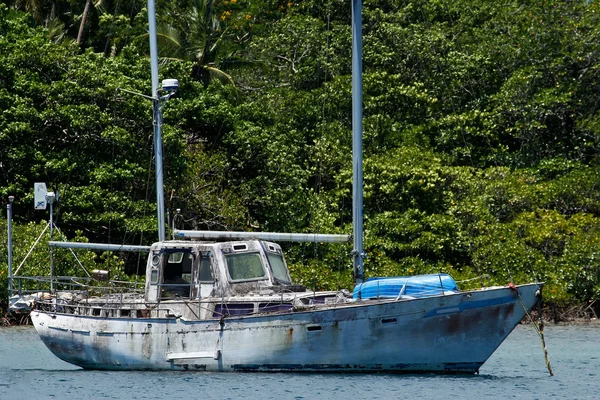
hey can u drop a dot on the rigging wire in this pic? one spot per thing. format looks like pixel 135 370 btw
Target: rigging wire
pixel 112 176
pixel 127 232
pixel 137 272
pixel 319 175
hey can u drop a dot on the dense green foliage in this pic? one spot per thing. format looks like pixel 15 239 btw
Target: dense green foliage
pixel 481 131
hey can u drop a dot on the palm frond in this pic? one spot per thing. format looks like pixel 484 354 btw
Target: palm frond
pixel 55 30
pixel 222 76
pixel 167 60
pixel 100 6
pixel 194 36
pixel 168 42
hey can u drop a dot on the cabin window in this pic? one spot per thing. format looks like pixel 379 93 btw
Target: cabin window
pixel 205 273
pixel 176 258
pixel 245 266
pixel 233 309
pixel 278 266
pixel 177 275
pixel 274 307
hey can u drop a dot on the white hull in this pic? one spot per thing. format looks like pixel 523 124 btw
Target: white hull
pixel 448 333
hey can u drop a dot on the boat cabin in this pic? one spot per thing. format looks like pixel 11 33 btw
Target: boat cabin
pixel 196 270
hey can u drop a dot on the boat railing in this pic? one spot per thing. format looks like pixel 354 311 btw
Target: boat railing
pixel 34 284
pixel 119 309
pixel 30 289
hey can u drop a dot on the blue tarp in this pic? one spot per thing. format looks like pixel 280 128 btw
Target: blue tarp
pixel 415 286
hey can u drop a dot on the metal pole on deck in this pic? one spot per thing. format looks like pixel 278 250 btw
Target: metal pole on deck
pixel 158 154
pixel 157 121
pixel 50 197
pixel 169 86
pixel 357 127
pixel 9 243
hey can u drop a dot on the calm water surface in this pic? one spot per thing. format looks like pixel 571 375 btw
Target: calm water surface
pixel 516 371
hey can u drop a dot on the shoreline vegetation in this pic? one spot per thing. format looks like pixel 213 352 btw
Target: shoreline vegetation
pixel 481 130
pixel 553 314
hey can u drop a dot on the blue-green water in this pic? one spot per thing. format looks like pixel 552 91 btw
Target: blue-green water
pixel 516 371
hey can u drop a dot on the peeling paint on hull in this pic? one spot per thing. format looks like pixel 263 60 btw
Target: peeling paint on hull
pixel 444 334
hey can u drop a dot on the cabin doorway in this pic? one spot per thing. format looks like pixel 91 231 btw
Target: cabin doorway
pixel 177 275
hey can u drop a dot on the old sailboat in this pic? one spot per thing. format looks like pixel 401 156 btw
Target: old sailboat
pixel 224 301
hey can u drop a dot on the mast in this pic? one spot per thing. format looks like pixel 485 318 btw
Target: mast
pixel 9 242
pixel 157 122
pixel 357 168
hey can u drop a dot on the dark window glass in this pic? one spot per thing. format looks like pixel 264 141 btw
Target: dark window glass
pixel 205 271
pixel 280 271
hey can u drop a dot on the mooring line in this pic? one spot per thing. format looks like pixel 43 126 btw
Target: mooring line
pixel 539 329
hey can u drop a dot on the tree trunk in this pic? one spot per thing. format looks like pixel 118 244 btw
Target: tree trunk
pixel 86 10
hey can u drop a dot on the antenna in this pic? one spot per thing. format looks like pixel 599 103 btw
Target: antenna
pixel 42 197
pixel 170 85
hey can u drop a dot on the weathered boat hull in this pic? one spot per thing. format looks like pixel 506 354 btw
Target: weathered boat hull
pixel 453 333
